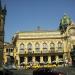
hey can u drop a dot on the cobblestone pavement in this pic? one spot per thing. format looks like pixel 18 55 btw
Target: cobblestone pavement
pixel 66 70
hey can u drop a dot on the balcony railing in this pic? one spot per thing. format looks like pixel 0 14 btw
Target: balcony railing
pixel 37 51
pixel 30 51
pixel 10 53
pixel 22 52
pixel 45 51
pixel 59 49
pixel 52 51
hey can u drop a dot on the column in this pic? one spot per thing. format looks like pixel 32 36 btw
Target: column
pixel 14 54
pixel 4 56
pixel 26 60
pixel 48 46
pixel 41 46
pixel 18 60
pixel 33 59
pixel 41 59
pixel 49 59
pixel 56 49
pixel 65 48
pixel 57 59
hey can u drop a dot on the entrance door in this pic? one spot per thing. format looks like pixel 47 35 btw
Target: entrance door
pixel 11 59
pixel 29 58
pixel 37 58
pixel 45 58
pixel 21 59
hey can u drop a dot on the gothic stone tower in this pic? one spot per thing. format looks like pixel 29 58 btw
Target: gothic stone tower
pixel 2 22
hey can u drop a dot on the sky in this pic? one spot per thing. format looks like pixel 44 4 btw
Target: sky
pixel 27 15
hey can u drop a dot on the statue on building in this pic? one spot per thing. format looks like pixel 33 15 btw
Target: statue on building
pixel 64 23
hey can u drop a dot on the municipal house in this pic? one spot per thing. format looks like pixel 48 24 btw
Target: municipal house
pixel 42 46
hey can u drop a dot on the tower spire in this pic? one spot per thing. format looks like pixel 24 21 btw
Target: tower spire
pixel 5 9
pixel 0 5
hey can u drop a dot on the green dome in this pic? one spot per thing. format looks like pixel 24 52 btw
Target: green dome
pixel 66 20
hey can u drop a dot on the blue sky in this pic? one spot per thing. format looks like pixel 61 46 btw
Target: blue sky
pixel 26 15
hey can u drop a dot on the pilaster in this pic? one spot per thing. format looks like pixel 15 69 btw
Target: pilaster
pixel 49 59
pixel 57 59
pixel 33 59
pixel 25 60
pixel 41 59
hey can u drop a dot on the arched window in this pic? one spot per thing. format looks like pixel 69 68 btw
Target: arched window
pixel 37 47
pixel 52 47
pixel 21 46
pixel 45 46
pixel 29 46
pixel 59 45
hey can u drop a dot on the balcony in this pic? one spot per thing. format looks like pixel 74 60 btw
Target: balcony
pixel 22 52
pixel 59 50
pixel 45 51
pixel 37 51
pixel 10 54
pixel 52 50
pixel 30 51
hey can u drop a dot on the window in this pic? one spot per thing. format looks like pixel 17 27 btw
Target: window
pixel 11 49
pixel 52 45
pixel 73 47
pixel 21 60
pixel 7 50
pixel 44 46
pixel 29 58
pixel 37 58
pixel 37 47
pixel 21 46
pixel 45 59
pixel 59 45
pixel 29 46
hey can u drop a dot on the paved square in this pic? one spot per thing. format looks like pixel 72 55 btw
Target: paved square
pixel 66 70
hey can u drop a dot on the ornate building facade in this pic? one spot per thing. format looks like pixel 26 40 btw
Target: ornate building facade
pixel 42 46
pixel 2 22
pixel 9 53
